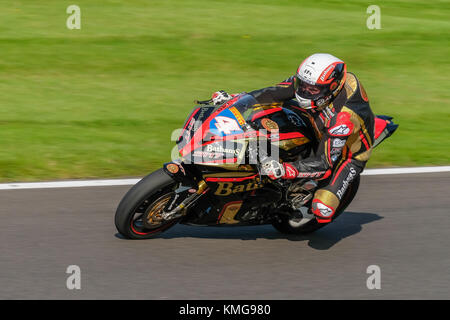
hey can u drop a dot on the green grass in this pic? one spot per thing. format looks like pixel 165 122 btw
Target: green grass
pixel 102 101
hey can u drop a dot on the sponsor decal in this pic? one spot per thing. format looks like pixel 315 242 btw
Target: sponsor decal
pixel 307 72
pixel 269 125
pixel 324 73
pixel 204 111
pixel 346 183
pixel 340 130
pixel 191 124
pixel 310 174
pixel 328 111
pixel 338 143
pixel 206 155
pixel 227 188
pixel 172 168
pixel 324 210
pixel 217 151
pixel 290 172
pixel 295 120
pixel 221 149
pixel 336 151
pixel 200 116
pixel 238 116
pixel 322 101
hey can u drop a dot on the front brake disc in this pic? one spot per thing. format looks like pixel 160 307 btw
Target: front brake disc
pixel 152 218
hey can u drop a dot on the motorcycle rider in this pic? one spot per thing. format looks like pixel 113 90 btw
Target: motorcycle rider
pixel 338 108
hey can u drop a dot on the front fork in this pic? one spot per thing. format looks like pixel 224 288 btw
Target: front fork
pixel 185 195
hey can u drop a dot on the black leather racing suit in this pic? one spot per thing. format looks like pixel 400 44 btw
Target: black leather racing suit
pixel 345 131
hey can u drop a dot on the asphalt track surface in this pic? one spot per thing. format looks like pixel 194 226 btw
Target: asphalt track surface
pixel 397 222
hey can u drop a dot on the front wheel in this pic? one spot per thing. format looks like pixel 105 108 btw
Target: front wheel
pixel 285 224
pixel 138 215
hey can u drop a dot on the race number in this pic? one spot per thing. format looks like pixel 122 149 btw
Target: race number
pixel 226 125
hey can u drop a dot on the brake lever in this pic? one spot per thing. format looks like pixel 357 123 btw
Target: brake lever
pixel 203 101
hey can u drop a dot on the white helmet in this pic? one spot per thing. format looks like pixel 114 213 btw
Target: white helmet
pixel 319 79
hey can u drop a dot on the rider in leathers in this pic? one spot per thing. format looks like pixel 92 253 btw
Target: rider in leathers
pixel 338 108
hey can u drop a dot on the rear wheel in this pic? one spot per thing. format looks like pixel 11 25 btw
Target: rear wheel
pixel 138 215
pixel 285 224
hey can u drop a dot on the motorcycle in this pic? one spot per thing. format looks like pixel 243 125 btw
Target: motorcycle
pixel 217 181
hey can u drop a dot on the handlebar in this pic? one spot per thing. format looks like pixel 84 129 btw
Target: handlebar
pixel 203 101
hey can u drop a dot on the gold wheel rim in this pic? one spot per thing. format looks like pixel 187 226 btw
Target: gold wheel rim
pixel 153 217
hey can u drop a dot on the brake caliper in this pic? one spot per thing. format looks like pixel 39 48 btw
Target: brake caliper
pixel 183 197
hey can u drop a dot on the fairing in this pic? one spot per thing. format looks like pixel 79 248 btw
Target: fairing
pixel 221 135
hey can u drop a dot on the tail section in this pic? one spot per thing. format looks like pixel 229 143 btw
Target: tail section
pixel 384 128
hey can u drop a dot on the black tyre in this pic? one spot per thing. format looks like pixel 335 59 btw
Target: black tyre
pixel 137 214
pixel 286 225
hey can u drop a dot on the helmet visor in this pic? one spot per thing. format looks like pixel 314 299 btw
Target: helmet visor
pixel 309 91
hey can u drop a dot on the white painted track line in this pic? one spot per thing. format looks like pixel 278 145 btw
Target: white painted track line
pixel 68 184
pixel 126 182
pixel 372 172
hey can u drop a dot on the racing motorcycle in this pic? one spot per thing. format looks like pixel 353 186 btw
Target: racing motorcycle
pixel 218 181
